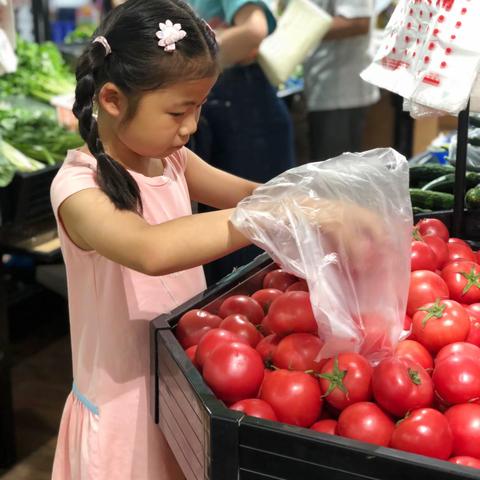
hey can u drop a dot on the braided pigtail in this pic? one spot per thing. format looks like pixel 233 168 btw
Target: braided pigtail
pixel 112 177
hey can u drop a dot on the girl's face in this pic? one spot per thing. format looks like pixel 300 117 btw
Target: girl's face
pixel 165 118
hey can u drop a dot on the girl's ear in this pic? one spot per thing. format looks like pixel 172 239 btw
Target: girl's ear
pixel 112 100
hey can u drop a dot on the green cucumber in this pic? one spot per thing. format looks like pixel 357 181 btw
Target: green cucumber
pixel 421 174
pixel 431 200
pixel 472 198
pixel 446 183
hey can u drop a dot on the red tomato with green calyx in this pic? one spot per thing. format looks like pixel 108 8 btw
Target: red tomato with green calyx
pixel 400 385
pixel 346 379
pixel 463 281
pixel 425 287
pixel 426 432
pixel 415 352
pixel 435 325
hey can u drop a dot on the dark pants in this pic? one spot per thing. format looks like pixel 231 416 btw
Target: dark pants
pixel 245 129
pixel 333 132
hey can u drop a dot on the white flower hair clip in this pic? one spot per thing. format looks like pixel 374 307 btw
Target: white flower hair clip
pixel 169 34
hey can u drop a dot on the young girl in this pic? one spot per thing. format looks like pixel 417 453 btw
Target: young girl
pixel 131 247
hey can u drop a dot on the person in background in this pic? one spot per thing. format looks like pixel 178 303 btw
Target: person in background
pixel 244 128
pixel 337 98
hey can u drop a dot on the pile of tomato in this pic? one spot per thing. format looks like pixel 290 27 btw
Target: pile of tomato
pixel 259 354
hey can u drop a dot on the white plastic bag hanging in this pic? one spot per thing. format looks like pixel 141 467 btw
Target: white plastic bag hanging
pixel 345 226
pixel 430 55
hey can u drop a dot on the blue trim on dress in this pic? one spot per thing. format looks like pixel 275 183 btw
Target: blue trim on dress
pixel 84 400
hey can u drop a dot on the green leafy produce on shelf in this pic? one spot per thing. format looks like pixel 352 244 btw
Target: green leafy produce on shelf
pixel 41 73
pixel 81 34
pixel 12 160
pixel 37 134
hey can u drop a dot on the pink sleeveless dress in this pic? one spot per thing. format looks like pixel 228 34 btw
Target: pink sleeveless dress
pixel 106 431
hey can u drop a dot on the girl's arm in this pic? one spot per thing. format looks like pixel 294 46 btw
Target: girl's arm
pixel 239 43
pixel 214 187
pixel 93 223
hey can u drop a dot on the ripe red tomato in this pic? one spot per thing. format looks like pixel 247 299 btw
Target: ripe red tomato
pixel 193 325
pixel 367 422
pixel 422 257
pixel 211 340
pixel 299 351
pixel 239 324
pixel 425 287
pixel 439 247
pixel 465 461
pixel 294 396
pixel 473 309
pixel 438 324
pixel 463 281
pixel 292 313
pixel 264 326
pixel 279 279
pixel 346 379
pixel 459 348
pixel 415 352
pixel 300 286
pixel 424 431
pixel 190 351
pixel 266 347
pixel 242 304
pixel 457 378
pixel 400 385
pixel 266 296
pixel 458 241
pixel 325 426
pixel 473 336
pixel 458 250
pixel 234 371
pixel 433 226
pixel 255 408
pixel 464 421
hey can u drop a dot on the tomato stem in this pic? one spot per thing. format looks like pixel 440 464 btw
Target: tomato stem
pixel 335 378
pixel 436 310
pixel 472 280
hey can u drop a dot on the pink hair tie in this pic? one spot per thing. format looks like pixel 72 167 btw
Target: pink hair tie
pixel 103 41
pixel 169 34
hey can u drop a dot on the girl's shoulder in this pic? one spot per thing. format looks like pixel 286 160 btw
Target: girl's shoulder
pixel 78 172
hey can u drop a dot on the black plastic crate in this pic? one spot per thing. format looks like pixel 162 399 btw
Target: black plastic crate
pixel 212 442
pixel 26 199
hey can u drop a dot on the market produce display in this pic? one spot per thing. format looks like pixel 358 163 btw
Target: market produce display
pixel 259 353
pixel 41 73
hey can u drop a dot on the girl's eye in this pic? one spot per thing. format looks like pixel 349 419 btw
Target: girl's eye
pixel 177 114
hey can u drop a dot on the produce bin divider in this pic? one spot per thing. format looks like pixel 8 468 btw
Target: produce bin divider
pixel 460 171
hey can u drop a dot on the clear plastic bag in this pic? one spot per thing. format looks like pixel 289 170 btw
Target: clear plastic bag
pixel 345 226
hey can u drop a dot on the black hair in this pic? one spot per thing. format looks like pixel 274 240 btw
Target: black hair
pixel 136 65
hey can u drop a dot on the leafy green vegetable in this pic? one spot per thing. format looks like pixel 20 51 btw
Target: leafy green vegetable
pixel 41 73
pixel 81 34
pixel 37 134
